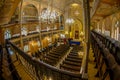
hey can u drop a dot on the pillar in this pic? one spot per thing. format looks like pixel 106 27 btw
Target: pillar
pixel 39 13
pixel 86 21
pixel 21 10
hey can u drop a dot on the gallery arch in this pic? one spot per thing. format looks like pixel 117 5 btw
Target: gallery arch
pixel 30 12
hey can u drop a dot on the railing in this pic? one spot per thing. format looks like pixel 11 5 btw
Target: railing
pixel 11 71
pixel 41 70
pixel 108 69
pixel 110 43
pixel 1 59
pixel 14 73
pixel 16 38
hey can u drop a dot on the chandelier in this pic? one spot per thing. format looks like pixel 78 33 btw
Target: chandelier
pixel 48 15
pixel 70 21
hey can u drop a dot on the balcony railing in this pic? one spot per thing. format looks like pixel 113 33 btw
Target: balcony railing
pixel 17 36
pixel 41 70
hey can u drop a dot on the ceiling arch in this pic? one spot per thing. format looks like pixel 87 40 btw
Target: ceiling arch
pixel 75 11
pixel 69 2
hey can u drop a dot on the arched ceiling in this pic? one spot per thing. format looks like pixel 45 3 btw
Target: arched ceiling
pixel 75 11
pixel 62 4
pixel 7 9
pixel 68 8
pixel 99 8
pixel 104 8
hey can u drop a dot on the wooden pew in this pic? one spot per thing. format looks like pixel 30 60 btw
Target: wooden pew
pixel 73 60
pixel 71 63
pixel 54 55
pixel 70 68
pixel 74 57
pixel 51 58
pixel 72 54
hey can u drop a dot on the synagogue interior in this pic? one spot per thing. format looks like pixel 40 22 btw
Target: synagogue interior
pixel 60 39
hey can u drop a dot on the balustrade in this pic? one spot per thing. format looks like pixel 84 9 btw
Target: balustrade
pixel 41 70
pixel 105 56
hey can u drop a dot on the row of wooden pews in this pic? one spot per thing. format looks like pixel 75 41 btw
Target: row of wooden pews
pixel 43 51
pixel 108 68
pixel 73 61
pixel 42 71
pixel 55 54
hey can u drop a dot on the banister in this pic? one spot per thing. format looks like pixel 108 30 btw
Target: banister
pixel 38 63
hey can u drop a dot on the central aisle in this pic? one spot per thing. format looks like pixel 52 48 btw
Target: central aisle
pixel 63 58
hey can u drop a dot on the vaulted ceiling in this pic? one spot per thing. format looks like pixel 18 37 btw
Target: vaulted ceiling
pixel 62 4
pixel 99 8
pixel 105 8
pixel 7 9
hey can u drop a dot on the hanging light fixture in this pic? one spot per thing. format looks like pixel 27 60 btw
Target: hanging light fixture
pixel 48 15
pixel 69 20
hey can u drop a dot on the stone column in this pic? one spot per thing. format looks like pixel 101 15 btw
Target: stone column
pixel 86 21
pixel 21 10
pixel 39 13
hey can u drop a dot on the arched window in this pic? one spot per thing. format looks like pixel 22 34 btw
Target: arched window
pixel 7 34
pixel 24 31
